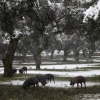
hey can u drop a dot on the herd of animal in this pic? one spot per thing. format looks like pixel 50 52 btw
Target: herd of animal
pixel 44 79
pixel 21 70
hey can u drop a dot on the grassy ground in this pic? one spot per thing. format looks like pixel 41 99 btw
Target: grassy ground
pixel 17 93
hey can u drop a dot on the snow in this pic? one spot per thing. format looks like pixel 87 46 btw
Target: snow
pixel 61 73
pixel 57 84
pixel 67 74
pixel 64 66
pixel 66 84
pixel 65 71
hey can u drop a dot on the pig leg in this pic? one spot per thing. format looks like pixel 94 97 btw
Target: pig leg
pixel 77 85
pixel 81 84
pixel 50 80
pixel 28 86
pixel 54 80
pixel 84 84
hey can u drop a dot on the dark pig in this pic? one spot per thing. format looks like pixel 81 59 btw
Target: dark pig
pixel 24 69
pixel 49 77
pixel 41 79
pixel 14 70
pixel 78 79
pixel 21 71
pixel 30 81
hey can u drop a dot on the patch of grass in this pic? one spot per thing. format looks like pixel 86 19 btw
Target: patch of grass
pixel 61 70
pixel 95 78
pixel 3 79
pixel 42 93
pixel 92 68
pixel 9 92
pixel 15 77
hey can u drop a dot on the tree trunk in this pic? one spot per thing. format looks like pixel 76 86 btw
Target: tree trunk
pixel 91 49
pixel 77 56
pixel 37 59
pixel 52 52
pixel 9 56
pixel 65 54
pixel 90 54
pixel 77 49
pixel 37 52
pixel 23 57
pixel 84 53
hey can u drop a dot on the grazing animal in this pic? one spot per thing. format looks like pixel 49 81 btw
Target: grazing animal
pixel 49 77
pixel 14 70
pixel 24 69
pixel 41 79
pixel 78 79
pixel 30 81
pixel 21 71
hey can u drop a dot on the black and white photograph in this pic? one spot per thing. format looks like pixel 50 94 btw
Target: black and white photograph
pixel 49 49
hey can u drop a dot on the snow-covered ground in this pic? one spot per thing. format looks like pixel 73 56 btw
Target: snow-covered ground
pixel 58 84
pixel 89 73
pixel 63 84
pixel 63 73
pixel 67 74
pixel 65 66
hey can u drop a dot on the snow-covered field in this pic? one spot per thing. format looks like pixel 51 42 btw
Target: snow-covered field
pixel 58 84
pixel 65 84
pixel 61 73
